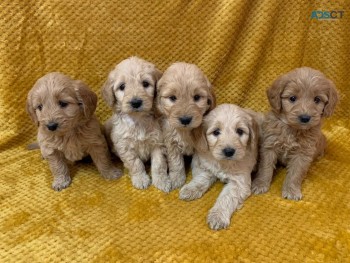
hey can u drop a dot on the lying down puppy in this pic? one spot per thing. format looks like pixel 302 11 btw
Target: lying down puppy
pixel 226 149
pixel 68 130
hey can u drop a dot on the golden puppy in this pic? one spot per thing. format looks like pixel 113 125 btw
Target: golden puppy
pixel 133 129
pixel 184 96
pixel 226 149
pixel 292 133
pixel 63 109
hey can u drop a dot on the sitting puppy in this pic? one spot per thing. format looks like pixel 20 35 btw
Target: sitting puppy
pixel 133 129
pixel 227 149
pixel 63 109
pixel 184 96
pixel 292 133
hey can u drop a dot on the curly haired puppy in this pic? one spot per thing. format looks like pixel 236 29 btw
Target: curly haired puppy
pixel 133 129
pixel 63 109
pixel 226 149
pixel 184 96
pixel 292 133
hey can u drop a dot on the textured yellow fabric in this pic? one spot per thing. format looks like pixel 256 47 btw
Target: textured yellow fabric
pixel 242 46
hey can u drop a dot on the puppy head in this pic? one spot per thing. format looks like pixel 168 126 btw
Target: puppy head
pixel 185 95
pixel 229 133
pixel 302 97
pixel 131 86
pixel 58 103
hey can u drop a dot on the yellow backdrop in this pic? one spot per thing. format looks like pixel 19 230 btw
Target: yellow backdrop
pixel 242 46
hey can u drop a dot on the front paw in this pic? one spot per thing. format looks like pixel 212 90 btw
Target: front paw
pixel 112 174
pixel 217 220
pixel 178 179
pixel 260 187
pixel 141 181
pixel 60 183
pixel 162 182
pixel 292 193
pixel 189 192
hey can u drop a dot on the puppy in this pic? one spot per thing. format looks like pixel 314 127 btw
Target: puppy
pixel 68 130
pixel 226 149
pixel 292 133
pixel 133 129
pixel 184 96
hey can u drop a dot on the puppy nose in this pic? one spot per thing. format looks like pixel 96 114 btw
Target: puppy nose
pixel 304 118
pixel 185 120
pixel 228 152
pixel 52 126
pixel 136 103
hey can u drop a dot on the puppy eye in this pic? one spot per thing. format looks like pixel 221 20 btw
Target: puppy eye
pixel 293 98
pixel 173 98
pixel 122 86
pixel 145 84
pixel 197 97
pixel 239 131
pixel 63 104
pixel 317 100
pixel 216 132
pixel 40 107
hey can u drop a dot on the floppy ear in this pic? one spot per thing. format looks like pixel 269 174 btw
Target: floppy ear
pixel 275 91
pixel 200 139
pixel 157 101
pixel 157 74
pixel 211 96
pixel 30 108
pixel 333 98
pixel 107 92
pixel 253 135
pixel 86 98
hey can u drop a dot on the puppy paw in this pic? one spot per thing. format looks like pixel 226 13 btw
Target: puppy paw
pixel 112 174
pixel 177 180
pixel 141 181
pixel 259 187
pixel 291 193
pixel 61 183
pixel 163 183
pixel 189 192
pixel 217 220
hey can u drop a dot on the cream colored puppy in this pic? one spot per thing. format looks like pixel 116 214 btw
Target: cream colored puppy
pixel 226 149
pixel 68 130
pixel 292 132
pixel 184 96
pixel 133 129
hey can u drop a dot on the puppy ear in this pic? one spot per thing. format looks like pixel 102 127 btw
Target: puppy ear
pixel 86 98
pixel 200 139
pixel 107 92
pixel 157 74
pixel 275 91
pixel 30 108
pixel 211 96
pixel 253 135
pixel 333 98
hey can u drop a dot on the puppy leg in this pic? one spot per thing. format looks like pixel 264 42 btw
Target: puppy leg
pixel 176 164
pixel 102 160
pixel 159 167
pixel 230 199
pixel 60 171
pixel 200 183
pixel 296 171
pixel 262 182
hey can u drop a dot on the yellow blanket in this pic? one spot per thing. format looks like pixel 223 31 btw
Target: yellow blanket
pixel 242 46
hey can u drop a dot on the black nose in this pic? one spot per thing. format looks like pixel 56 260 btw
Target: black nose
pixel 185 120
pixel 228 152
pixel 304 118
pixel 52 126
pixel 136 103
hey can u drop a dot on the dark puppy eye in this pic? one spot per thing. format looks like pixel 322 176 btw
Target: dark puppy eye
pixel 317 100
pixel 216 132
pixel 145 84
pixel 40 107
pixel 239 131
pixel 173 98
pixel 122 86
pixel 63 104
pixel 293 98
pixel 197 97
